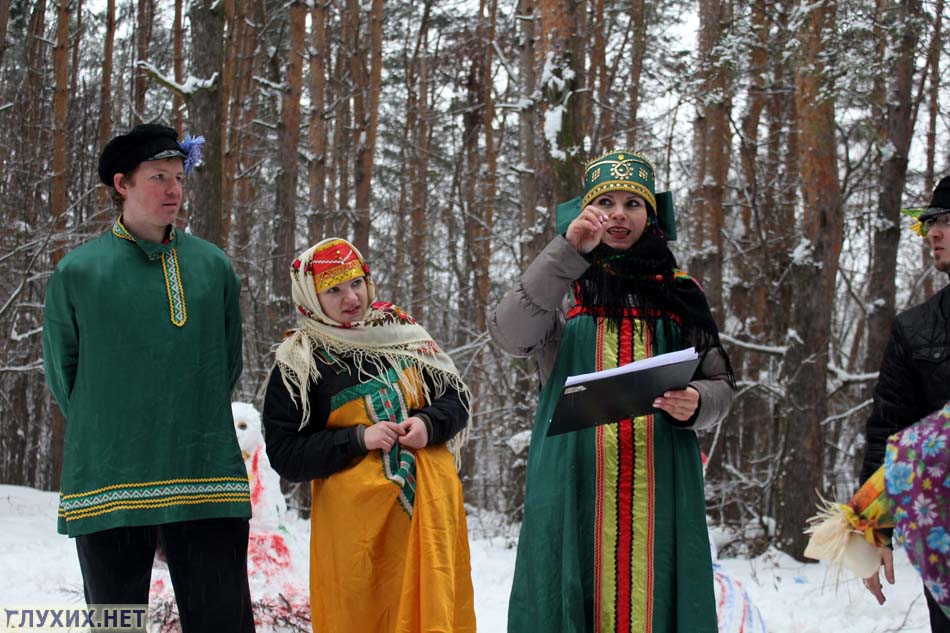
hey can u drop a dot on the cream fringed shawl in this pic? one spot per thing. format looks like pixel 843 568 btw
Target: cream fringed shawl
pixel 387 337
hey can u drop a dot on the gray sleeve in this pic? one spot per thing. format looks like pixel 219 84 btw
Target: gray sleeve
pixel 715 392
pixel 527 317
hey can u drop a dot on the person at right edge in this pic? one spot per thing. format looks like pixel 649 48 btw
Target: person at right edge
pixel 614 533
pixel 914 379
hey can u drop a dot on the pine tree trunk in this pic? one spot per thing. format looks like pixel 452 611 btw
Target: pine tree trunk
pixel 713 138
pixel 419 173
pixel 4 24
pixel 58 194
pixel 317 131
pixel 898 129
pixel 487 199
pixel 366 74
pixel 933 111
pixel 105 107
pixel 288 138
pixel 603 132
pixel 60 134
pixel 733 446
pixel 638 23
pixel 562 41
pixel 534 235
pixel 77 45
pixel 143 33
pixel 206 106
pixel 812 275
pixel 178 55
pixel 228 80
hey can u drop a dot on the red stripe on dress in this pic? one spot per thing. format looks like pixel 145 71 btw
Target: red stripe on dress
pixel 625 497
pixel 599 495
pixel 651 497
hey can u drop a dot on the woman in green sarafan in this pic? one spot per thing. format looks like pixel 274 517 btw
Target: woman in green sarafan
pixel 614 534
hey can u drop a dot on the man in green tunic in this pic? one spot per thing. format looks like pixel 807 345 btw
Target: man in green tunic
pixel 142 348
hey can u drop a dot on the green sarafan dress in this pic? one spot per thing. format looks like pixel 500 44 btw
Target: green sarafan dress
pixel 614 535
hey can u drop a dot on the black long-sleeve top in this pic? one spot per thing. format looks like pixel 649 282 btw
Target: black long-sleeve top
pixel 316 451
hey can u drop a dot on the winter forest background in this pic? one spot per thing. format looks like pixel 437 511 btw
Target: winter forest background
pixel 439 136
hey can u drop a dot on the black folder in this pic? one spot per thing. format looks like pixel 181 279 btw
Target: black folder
pixel 601 400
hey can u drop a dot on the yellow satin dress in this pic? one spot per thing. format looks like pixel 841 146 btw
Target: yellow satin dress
pixel 389 541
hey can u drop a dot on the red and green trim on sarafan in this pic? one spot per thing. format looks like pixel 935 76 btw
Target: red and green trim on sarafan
pixel 614 537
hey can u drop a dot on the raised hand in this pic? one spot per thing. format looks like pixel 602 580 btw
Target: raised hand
pixel 587 229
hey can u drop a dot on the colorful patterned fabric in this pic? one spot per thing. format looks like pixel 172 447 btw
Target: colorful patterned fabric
pixel 334 262
pixel 917 472
pixel 614 535
pixel 389 543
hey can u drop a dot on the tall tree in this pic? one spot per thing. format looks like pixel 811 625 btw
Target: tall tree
pixel 812 274
pixel 418 127
pixel 33 136
pixel 734 448
pixel 228 80
pixel 143 37
pixel 105 94
pixel 901 16
pixel 534 235
pixel 60 107
pixel 366 68
pixel 4 24
pixel 933 113
pixel 488 10
pixel 77 47
pixel 603 133
pixel 206 107
pixel 288 138
pixel 562 48
pixel 638 23
pixel 317 130
pixel 713 140
pixel 178 56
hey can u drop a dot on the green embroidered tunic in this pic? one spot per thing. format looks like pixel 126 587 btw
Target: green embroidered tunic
pixel 142 348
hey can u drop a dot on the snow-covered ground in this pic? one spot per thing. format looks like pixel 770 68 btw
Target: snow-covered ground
pixel 38 567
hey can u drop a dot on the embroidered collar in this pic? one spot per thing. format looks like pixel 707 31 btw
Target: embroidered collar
pixel 152 250
pixel 167 252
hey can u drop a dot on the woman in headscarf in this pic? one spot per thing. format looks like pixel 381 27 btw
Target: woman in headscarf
pixel 365 404
pixel 614 534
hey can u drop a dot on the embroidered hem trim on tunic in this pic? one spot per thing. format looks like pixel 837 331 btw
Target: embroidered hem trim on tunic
pixel 153 494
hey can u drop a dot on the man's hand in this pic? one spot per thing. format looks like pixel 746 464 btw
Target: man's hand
pixel 416 434
pixel 873 583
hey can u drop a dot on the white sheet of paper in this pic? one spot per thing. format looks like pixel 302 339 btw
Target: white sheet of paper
pixel 655 361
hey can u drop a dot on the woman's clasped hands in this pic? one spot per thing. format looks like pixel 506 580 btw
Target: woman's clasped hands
pixel 412 433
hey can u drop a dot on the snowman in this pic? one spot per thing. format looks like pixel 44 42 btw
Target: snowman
pixel 267 502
